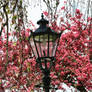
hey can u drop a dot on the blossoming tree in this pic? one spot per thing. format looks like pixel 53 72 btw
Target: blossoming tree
pixel 18 69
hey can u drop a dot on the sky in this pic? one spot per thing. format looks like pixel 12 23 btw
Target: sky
pixel 34 12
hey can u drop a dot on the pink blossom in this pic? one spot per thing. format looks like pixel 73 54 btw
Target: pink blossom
pixel 61 19
pixel 77 11
pixel 0 43
pixel 73 28
pixel 62 8
pixel 65 2
pixel 45 13
pixel 89 18
pixel 27 34
pixel 79 16
pixel 62 28
pixel 57 66
pixel 28 29
pixel 57 82
pixel 76 35
pixel 62 73
pixel 54 77
pixel 90 49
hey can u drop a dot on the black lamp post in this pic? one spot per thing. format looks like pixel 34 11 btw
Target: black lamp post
pixel 44 43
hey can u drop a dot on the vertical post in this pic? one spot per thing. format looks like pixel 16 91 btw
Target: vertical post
pixel 46 80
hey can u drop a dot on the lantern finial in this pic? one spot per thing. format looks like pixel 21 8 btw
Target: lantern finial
pixel 42 21
pixel 42 16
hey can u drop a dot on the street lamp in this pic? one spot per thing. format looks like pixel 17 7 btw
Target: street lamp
pixel 44 42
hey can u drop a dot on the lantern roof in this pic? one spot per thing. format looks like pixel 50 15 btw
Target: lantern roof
pixel 43 28
pixel 42 21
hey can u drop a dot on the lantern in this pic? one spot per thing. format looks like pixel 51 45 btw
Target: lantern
pixel 44 42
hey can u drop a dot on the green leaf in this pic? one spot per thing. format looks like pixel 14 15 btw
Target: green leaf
pixel 20 1
pixel 28 69
pixel 14 44
pixel 8 11
pixel 14 17
pixel 7 7
pixel 27 38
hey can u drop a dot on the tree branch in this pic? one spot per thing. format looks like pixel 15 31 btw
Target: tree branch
pixel 4 24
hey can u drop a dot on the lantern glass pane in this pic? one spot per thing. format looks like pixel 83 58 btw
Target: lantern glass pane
pixel 42 45
pixel 45 45
pixel 42 49
pixel 55 43
pixel 32 43
pixel 45 38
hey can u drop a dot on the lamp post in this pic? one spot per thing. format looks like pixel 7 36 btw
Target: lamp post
pixel 44 42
